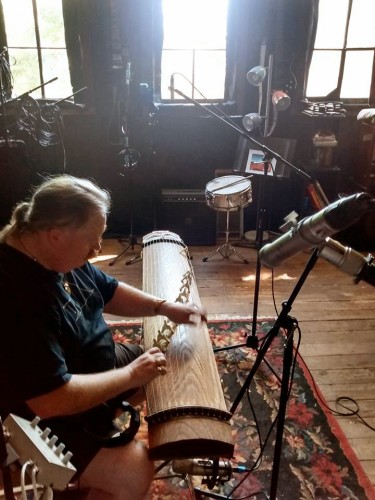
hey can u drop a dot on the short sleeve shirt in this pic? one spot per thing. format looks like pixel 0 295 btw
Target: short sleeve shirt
pixel 52 327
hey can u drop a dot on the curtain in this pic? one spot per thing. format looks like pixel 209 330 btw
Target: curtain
pixel 88 42
pixel 284 28
pixel 108 40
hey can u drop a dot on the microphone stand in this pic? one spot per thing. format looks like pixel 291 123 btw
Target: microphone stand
pixel 284 320
pixel 252 340
pixel 289 324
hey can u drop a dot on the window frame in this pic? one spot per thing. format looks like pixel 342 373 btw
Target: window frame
pixel 38 48
pixel 334 95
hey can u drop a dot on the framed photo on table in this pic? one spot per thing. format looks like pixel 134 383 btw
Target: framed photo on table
pixel 249 159
pixel 255 163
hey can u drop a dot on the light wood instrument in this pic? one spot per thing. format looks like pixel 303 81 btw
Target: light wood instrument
pixel 187 414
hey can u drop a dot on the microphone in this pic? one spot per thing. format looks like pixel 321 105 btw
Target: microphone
pixel 312 231
pixel 128 74
pixel 222 469
pixel 171 85
pixel 349 261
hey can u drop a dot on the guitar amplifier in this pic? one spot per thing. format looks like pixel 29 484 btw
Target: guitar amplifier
pixel 186 213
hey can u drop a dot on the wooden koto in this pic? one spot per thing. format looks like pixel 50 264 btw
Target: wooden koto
pixel 186 410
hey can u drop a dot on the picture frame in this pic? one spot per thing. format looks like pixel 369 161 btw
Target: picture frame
pixel 248 159
pixel 255 164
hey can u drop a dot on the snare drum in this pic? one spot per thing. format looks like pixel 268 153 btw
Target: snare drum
pixel 228 193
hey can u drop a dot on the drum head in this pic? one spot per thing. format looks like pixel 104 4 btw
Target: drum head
pixel 228 184
pixel 228 193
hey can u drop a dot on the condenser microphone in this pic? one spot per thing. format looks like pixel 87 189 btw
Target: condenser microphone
pixel 128 73
pixel 222 469
pixel 312 231
pixel 171 85
pixel 349 261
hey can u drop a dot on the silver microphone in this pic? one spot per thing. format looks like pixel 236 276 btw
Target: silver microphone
pixel 349 261
pixel 312 231
pixel 171 85
pixel 128 74
pixel 222 469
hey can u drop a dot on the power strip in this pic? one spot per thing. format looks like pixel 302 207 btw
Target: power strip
pixel 32 444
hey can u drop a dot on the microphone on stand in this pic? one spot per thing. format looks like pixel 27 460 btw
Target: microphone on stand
pixel 312 231
pixel 128 74
pixel 221 469
pixel 171 85
pixel 349 261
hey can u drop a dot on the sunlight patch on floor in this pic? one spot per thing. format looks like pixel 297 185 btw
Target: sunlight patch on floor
pixel 265 276
pixel 102 258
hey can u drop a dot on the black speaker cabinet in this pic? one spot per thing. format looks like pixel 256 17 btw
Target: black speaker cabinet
pixel 186 213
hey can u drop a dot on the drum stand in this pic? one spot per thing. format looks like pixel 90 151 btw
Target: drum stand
pixel 226 250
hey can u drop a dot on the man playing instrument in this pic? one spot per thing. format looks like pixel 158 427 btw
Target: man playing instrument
pixel 58 359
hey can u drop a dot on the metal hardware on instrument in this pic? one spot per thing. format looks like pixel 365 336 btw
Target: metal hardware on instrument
pixel 229 193
pixel 187 414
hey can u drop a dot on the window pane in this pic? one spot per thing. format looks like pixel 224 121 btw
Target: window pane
pixel 357 74
pixel 19 27
pixel 331 25
pixel 323 74
pixel 362 24
pixel 194 23
pixel 181 62
pixel 25 71
pixel 55 63
pixel 51 27
pixel 209 73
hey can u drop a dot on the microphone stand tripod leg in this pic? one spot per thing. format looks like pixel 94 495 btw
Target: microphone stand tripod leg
pixel 113 261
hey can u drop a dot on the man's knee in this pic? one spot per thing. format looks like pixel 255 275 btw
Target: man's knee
pixel 119 470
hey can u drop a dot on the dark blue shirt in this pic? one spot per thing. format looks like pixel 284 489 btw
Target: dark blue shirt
pixel 52 327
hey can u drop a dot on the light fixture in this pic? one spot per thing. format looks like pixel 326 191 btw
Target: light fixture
pixel 281 100
pixel 256 75
pixel 251 121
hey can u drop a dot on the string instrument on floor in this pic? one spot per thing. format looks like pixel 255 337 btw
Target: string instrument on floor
pixel 186 410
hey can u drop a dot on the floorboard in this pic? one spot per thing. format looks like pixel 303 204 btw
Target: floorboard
pixel 336 318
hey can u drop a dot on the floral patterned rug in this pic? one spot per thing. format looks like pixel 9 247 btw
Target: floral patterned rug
pixel 316 460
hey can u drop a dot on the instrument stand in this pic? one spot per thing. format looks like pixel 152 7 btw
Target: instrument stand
pixel 131 242
pixel 289 324
pixel 226 250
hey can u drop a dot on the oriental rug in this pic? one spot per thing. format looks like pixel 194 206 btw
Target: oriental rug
pixel 316 459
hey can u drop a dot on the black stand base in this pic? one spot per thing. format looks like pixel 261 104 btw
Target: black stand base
pixel 131 243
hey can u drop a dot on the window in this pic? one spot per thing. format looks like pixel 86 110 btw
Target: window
pixel 343 57
pixel 194 48
pixel 36 46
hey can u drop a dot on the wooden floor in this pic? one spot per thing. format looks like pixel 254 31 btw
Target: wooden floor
pixel 336 316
